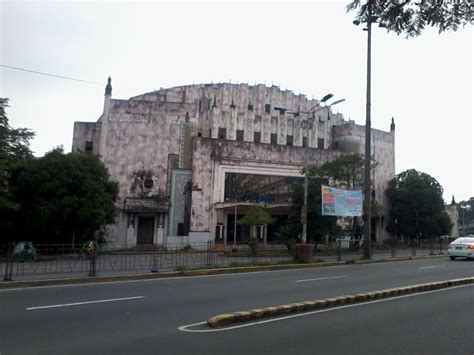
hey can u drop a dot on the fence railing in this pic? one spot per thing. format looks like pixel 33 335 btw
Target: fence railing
pixel 19 261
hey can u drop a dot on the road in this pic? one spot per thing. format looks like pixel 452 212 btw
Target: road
pixel 143 317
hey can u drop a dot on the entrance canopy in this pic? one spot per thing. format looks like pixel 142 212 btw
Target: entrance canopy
pixel 146 204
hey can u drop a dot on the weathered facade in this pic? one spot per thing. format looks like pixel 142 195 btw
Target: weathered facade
pixel 179 155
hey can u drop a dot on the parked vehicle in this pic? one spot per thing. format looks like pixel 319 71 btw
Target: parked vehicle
pixel 462 247
pixel 24 251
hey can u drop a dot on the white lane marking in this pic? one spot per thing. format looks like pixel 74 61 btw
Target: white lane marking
pixel 189 277
pixel 164 278
pixel 185 328
pixel 323 278
pixel 82 303
pixel 430 267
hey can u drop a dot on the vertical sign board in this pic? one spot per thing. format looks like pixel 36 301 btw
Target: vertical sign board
pixel 341 203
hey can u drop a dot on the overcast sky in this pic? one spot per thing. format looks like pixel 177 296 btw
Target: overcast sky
pixel 309 47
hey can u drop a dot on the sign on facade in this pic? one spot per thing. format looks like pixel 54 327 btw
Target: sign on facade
pixel 341 203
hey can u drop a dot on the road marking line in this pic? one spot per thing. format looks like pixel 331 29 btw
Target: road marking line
pixel 323 278
pixel 183 277
pixel 162 279
pixel 82 303
pixel 430 267
pixel 185 328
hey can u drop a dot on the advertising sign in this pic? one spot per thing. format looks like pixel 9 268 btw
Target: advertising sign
pixel 341 203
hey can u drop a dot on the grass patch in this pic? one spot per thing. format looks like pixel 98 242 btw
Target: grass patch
pixel 261 253
pixel 182 269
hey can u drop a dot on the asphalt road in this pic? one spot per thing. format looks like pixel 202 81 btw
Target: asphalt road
pixel 143 317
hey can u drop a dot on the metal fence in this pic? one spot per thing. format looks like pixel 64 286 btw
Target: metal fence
pixel 18 262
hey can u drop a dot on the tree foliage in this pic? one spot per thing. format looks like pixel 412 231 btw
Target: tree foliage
pixel 417 206
pixel 346 171
pixel 14 142
pixel 412 17
pixel 256 216
pixel 14 151
pixel 61 194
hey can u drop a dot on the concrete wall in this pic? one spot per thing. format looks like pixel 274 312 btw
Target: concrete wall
pixel 86 132
pixel 350 137
pixel 238 107
pixel 452 212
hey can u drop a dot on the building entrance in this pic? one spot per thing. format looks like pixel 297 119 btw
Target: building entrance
pixel 145 230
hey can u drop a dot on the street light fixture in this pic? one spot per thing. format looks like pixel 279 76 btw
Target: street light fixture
pixel 367 178
pixel 304 208
pixel 465 207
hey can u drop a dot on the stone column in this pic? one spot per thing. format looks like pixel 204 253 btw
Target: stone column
pixel 160 230
pixel 131 238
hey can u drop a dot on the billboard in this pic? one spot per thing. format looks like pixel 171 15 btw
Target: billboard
pixel 341 203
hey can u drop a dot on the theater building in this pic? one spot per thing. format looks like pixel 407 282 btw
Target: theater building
pixel 187 158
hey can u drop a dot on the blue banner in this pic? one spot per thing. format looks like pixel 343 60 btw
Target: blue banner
pixel 341 203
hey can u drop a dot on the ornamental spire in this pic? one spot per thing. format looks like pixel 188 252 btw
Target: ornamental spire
pixel 108 88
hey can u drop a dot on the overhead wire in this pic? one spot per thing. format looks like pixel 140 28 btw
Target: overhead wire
pixel 52 75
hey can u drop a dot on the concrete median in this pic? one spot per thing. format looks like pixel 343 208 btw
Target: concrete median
pixel 243 316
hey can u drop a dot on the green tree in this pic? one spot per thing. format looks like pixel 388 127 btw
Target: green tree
pixel 255 216
pixel 14 142
pixel 14 152
pixel 346 171
pixel 412 17
pixel 318 226
pixel 417 206
pixel 60 195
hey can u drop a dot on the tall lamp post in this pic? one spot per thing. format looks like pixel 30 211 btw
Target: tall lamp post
pixel 304 208
pixel 367 178
pixel 465 207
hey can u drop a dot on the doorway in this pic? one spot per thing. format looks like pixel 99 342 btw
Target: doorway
pixel 145 230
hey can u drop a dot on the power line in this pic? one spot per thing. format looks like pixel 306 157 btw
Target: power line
pixel 53 75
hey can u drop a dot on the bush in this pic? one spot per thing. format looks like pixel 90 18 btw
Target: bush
pixel 187 247
pixel 253 245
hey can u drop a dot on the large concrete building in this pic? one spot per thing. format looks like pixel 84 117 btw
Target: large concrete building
pixel 183 155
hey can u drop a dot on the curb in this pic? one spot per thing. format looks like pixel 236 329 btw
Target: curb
pixel 258 313
pixel 196 272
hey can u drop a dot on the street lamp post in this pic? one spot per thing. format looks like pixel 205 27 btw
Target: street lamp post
pixel 465 207
pixel 304 208
pixel 367 178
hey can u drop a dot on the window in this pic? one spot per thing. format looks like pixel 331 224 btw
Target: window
pixel 267 108
pixel 240 134
pixel 89 146
pixel 222 133
pixel 250 107
pixel 256 137
pixel 273 138
pixel 289 140
pixel 199 134
pixel 305 141
pixel 321 143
